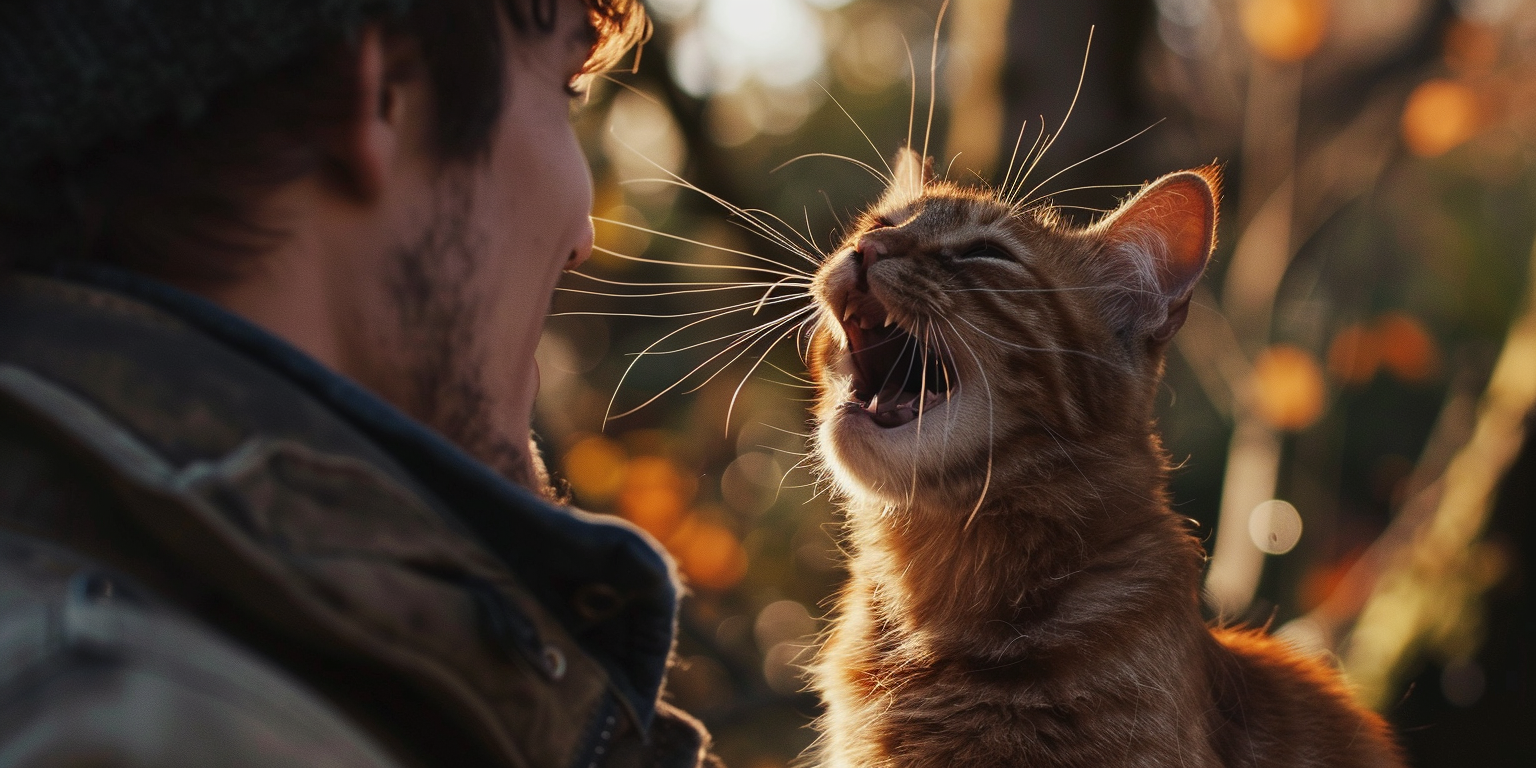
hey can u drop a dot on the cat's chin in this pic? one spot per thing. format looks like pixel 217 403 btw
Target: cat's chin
pixel 885 460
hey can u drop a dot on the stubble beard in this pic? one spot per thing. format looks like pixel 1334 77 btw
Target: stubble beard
pixel 437 312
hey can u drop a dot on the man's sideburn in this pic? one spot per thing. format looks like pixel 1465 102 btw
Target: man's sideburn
pixel 437 310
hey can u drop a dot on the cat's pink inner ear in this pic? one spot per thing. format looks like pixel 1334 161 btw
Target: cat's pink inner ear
pixel 1170 229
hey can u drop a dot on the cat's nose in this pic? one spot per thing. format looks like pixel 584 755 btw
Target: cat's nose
pixel 873 247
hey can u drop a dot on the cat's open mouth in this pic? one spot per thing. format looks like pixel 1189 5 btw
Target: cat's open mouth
pixel 895 375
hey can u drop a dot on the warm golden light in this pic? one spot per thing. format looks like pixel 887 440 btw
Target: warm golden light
pixel 1440 115
pixel 1286 31
pixel 1288 387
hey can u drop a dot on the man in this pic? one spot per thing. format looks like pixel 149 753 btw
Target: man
pixel 263 256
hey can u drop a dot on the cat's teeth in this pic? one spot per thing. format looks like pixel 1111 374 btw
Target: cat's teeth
pixel 848 313
pixel 874 403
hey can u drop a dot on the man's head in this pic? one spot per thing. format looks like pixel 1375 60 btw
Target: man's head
pixel 398 203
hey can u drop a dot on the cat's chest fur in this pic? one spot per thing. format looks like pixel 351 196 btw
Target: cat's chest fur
pixel 1020 592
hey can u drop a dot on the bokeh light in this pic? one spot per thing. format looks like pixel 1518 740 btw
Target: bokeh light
pixel 1286 31
pixel 1288 387
pixel 1441 115
pixel 1274 527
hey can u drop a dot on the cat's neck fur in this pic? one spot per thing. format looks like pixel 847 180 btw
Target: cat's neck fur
pixel 1091 528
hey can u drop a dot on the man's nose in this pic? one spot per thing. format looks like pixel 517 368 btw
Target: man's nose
pixel 583 248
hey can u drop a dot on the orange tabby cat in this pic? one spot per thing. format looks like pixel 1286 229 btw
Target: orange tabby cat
pixel 1020 592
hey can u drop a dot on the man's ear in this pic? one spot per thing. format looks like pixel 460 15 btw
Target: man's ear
pixel 1157 245
pixel 364 147
pixel 909 175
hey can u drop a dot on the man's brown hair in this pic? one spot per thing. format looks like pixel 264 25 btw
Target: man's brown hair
pixel 176 201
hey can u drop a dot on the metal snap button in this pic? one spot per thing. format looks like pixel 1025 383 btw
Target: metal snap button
pixel 554 662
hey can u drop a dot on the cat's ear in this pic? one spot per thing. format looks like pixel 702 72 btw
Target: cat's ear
pixel 1158 244
pixel 909 175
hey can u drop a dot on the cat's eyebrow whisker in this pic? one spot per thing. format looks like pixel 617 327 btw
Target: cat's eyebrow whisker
pixel 748 340
pixel 1081 76
pixel 873 171
pixel 1097 154
pixel 1015 156
pixel 912 107
pixel 933 78
pixel 729 267
pixel 700 243
pixel 1027 166
pixel 890 172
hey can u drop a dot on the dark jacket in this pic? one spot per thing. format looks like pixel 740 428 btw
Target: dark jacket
pixel 214 551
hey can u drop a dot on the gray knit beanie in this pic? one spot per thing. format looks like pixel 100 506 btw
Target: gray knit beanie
pixel 74 73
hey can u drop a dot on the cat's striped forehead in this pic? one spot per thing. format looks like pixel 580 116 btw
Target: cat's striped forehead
pixel 956 218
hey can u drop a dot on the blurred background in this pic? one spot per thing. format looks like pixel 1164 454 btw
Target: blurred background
pixel 1347 406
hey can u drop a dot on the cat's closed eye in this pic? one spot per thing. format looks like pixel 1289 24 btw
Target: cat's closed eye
pixel 984 251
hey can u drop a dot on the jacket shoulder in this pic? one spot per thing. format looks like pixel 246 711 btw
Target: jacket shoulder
pixel 94 670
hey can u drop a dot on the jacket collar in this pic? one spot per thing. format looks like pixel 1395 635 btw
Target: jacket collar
pixel 559 553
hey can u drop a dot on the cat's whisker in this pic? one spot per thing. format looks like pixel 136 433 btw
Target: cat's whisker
pixel 674 179
pixel 1010 193
pixel 814 254
pixel 1023 348
pixel 747 340
pixel 1081 76
pixel 933 79
pixel 873 171
pixel 716 340
pixel 755 303
pixel 608 414
pixel 1015 156
pixel 1100 153
pixel 986 386
pixel 729 267
pixel 737 393
pixel 786 281
pixel 729 287
pixel 890 172
pixel 912 107
pixel 700 243
pixel 627 284
pixel 795 377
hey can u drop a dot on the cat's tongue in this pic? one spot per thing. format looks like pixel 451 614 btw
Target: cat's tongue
pixel 894 407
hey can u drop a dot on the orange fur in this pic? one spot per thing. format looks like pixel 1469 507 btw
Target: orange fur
pixel 1020 593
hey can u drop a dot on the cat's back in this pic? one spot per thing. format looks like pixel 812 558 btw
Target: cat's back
pixel 1277 707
